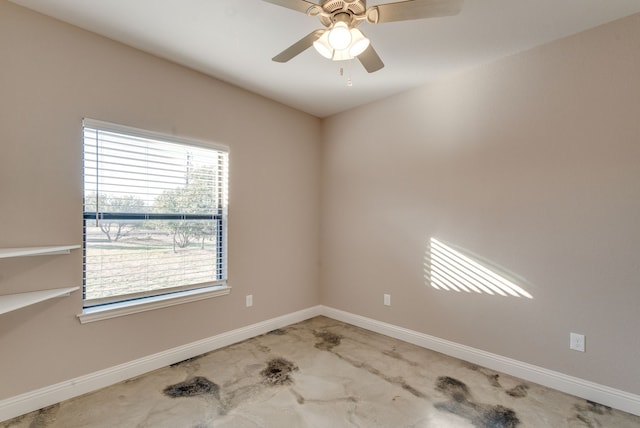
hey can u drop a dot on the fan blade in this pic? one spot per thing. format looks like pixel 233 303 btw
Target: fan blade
pixel 299 5
pixel 370 60
pixel 298 47
pixel 415 9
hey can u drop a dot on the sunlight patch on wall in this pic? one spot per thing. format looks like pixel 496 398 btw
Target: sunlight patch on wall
pixel 450 270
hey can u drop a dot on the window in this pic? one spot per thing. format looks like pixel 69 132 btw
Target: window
pixel 155 214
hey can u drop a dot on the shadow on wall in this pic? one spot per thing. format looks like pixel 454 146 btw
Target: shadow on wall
pixel 451 269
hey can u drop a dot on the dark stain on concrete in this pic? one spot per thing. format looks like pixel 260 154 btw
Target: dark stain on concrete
pixel 455 389
pixel 187 361
pixel 193 387
pixel 480 415
pixel 398 356
pixel 470 366
pixel 328 340
pixel 497 417
pixel 299 398
pixel 587 413
pixel 44 417
pixel 411 389
pixel 398 380
pixel 518 391
pixel 278 372
pixel 277 332
pixel 263 348
pixel 599 409
pixel 493 379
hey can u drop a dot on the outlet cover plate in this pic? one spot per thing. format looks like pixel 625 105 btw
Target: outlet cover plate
pixel 387 299
pixel 577 342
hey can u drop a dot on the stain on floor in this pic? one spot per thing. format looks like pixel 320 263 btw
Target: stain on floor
pixel 497 417
pixel 328 340
pixel 455 389
pixel 492 377
pixel 398 356
pixel 479 414
pixel 278 372
pixel 187 361
pixel 588 413
pixel 41 418
pixel 518 391
pixel 193 387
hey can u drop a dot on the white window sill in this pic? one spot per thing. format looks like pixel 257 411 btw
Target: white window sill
pixel 120 309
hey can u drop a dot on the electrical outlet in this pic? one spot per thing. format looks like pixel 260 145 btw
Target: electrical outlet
pixel 249 300
pixel 387 299
pixel 576 342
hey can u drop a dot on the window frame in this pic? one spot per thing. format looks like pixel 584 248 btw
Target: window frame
pixel 162 297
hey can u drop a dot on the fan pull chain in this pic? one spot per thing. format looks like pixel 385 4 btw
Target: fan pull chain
pixel 349 81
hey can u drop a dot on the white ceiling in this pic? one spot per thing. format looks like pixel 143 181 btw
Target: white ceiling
pixel 234 40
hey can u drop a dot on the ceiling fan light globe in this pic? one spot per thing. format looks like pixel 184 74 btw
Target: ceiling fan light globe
pixel 340 36
pixel 323 47
pixel 341 55
pixel 359 43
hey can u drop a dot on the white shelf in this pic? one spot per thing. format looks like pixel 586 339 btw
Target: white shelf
pixel 36 251
pixel 11 302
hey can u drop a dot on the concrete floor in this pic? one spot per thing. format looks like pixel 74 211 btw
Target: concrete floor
pixel 324 373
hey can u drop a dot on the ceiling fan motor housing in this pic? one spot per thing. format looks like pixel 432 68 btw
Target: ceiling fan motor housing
pixel 331 8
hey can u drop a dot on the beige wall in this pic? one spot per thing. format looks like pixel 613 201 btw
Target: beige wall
pixel 51 76
pixel 532 163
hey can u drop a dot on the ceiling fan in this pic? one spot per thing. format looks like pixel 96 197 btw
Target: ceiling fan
pixel 342 40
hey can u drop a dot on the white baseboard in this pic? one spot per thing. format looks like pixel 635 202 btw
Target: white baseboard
pixel 43 397
pixel 592 391
pixel 34 400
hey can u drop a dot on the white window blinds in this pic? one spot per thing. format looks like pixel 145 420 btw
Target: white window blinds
pixel 155 214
